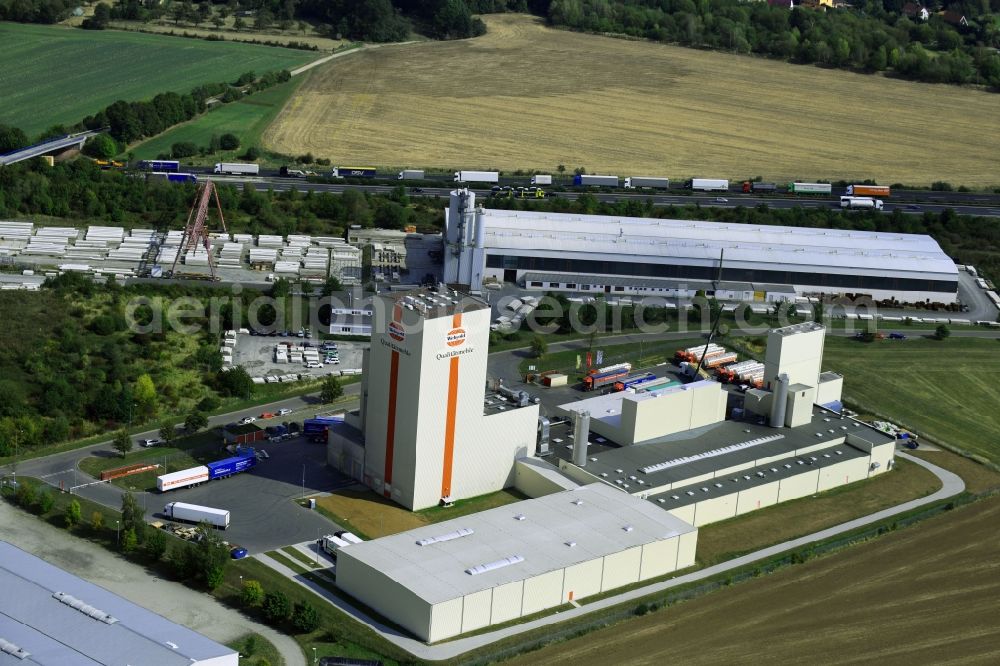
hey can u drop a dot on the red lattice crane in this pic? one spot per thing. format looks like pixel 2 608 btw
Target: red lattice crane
pixel 195 231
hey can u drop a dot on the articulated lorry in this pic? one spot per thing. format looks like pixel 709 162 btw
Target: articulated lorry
pixel 633 182
pixel 237 168
pixel 353 172
pixel 868 190
pixel 810 188
pixel 749 187
pixel 192 513
pixel 861 203
pixel 708 184
pixel 477 176
pixel 592 180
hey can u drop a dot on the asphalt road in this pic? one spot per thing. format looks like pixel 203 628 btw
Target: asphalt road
pixel 910 202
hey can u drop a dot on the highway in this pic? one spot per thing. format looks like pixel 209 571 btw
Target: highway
pixel 45 147
pixel 909 202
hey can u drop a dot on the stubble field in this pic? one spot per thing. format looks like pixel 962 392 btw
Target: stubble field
pixel 525 96
pixel 923 595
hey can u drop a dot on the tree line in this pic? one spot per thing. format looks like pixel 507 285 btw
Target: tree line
pixel 873 36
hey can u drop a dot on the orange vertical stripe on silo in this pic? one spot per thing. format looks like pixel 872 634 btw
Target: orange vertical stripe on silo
pixel 450 414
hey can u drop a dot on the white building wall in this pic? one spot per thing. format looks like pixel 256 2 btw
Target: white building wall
pixel 385 595
pixel 446 620
pixel 685 513
pixel 658 558
pixel 476 610
pixel 829 391
pixel 798 486
pixel 843 473
pixel 798 354
pixel 687 544
pixel 583 580
pixel 757 497
pixel 621 568
pixel 541 592
pixel 507 602
pixel 883 455
pixel 715 509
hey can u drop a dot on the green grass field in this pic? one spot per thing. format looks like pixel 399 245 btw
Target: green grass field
pixel 946 390
pixel 247 119
pixel 54 74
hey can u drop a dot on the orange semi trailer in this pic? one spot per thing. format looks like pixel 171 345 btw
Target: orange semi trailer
pixel 868 190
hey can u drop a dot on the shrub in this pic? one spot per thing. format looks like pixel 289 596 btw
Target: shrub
pixel 276 607
pixel 252 593
pixel 25 495
pixel 129 541
pixel 96 521
pixel 155 545
pixel 229 141
pixel 305 618
pixel 45 502
pixel 183 149
pixel 72 515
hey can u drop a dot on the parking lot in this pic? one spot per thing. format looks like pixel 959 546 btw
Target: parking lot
pixel 263 513
pixel 256 354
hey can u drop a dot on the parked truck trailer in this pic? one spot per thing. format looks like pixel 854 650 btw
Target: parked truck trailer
pixel 593 180
pixel 237 168
pixel 541 179
pixel 193 513
pixel 182 479
pixel 411 174
pixel 477 176
pixel 241 462
pixel 633 182
pixel 708 184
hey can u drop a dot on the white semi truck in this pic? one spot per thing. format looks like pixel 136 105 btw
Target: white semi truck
pixel 541 179
pixel 633 182
pixel 237 169
pixel 411 174
pixel 477 176
pixel 192 513
pixel 708 184
pixel 861 203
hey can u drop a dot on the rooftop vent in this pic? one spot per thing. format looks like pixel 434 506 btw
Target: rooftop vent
pixel 7 647
pixel 628 528
pixel 571 544
pixel 519 516
pixel 675 497
pixel 172 645
pixel 490 566
pixel 578 502
pixel 84 608
pixel 457 534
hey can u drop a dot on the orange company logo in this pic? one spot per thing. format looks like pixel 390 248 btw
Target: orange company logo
pixel 396 331
pixel 456 337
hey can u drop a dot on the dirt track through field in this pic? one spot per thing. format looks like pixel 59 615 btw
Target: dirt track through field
pixel 923 595
pixel 525 96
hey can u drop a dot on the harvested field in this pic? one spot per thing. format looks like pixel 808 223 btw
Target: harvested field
pixel 923 595
pixel 524 96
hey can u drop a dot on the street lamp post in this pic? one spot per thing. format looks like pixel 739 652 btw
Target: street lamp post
pixel 117 533
pixel 315 658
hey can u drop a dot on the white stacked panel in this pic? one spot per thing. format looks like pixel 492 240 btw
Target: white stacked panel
pixel 54 234
pixel 263 255
pixel 116 234
pixel 231 255
pixel 15 230
pixel 288 267
pixel 197 257
pixel 166 255
pixel 243 239
pixel 270 241
pixel 146 234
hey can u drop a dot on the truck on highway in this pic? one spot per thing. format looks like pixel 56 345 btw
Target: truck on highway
pixel 173 177
pixel 861 203
pixel 541 179
pixel 708 184
pixel 868 190
pixel 810 188
pixel 477 176
pixel 593 180
pixel 353 172
pixel 411 174
pixel 633 182
pixel 241 462
pixel 193 513
pixel 160 165
pixel 237 168
pixel 749 187
pixel 182 479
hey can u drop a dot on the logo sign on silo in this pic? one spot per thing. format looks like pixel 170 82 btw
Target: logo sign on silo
pixel 396 331
pixel 456 337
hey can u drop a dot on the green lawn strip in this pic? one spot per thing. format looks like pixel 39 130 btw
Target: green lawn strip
pixel 247 119
pixel 255 650
pixel 343 522
pixel 55 74
pixel 436 514
pixel 294 566
pixel 300 556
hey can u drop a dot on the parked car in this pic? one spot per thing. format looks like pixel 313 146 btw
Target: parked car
pixel 247 419
pixel 283 411
pixel 314 365
pixel 897 336
pixel 238 553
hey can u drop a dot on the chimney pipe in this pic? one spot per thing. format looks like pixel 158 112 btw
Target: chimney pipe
pixel 581 433
pixel 779 400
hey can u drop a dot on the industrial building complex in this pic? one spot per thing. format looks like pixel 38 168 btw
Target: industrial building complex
pixel 620 482
pixel 660 257
pixel 49 617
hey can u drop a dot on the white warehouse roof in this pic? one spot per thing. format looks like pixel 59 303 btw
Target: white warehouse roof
pixel 61 620
pixel 538 233
pixel 597 519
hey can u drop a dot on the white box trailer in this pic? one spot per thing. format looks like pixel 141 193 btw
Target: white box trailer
pixel 331 544
pixel 477 176
pixel 861 203
pixel 182 479
pixel 709 184
pixel 633 182
pixel 192 513
pixel 541 179
pixel 595 180
pixel 237 169
pixel 411 174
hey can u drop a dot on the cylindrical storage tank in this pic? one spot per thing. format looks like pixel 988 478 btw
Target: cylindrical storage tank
pixel 779 401
pixel 581 433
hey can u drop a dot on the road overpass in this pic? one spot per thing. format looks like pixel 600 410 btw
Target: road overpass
pixel 45 147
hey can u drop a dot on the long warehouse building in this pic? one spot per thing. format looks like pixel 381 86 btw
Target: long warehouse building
pixel 675 258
